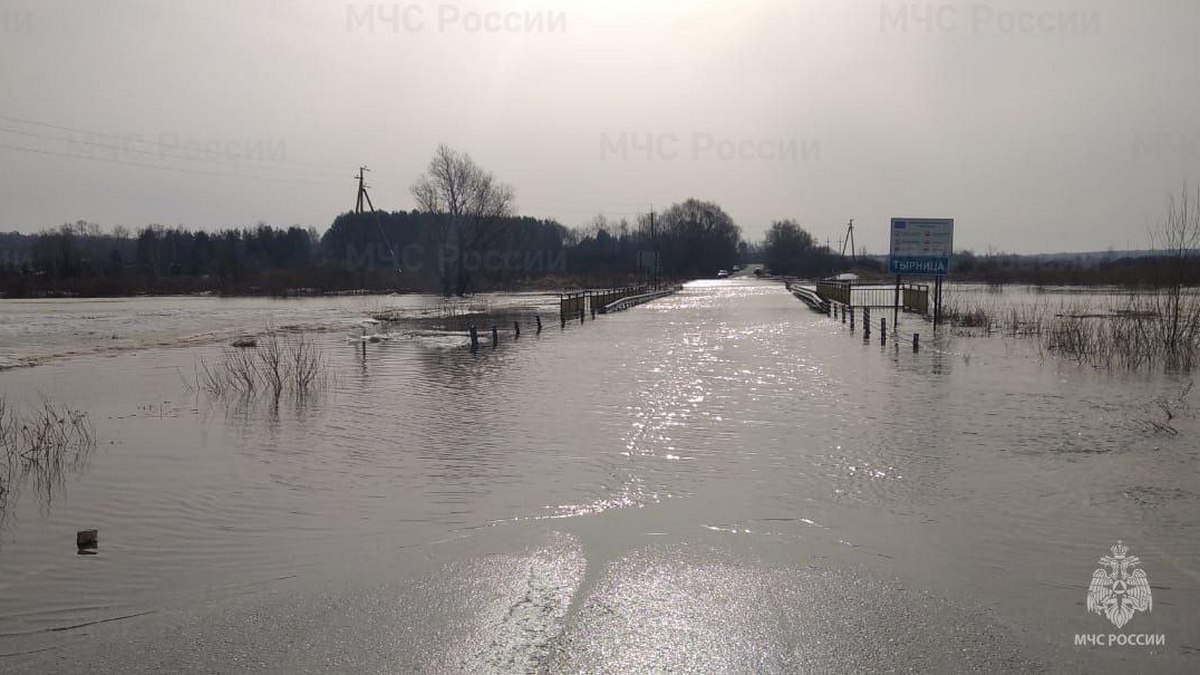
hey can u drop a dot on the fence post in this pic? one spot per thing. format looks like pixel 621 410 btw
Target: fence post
pixel 495 336
pixel 581 314
pixel 538 317
pixel 851 319
pixel 883 331
pixel 916 342
pixel 517 329
pixel 866 323
pixel 474 337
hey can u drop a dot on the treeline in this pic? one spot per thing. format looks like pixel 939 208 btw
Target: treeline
pixel 1153 269
pixel 80 259
pixel 383 251
pixel 790 250
pixel 464 237
pixel 409 251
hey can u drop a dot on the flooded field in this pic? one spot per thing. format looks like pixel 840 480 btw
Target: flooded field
pixel 617 495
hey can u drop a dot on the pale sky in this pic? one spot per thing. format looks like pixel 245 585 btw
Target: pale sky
pixel 1056 125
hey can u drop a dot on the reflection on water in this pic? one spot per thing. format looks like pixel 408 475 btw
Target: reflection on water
pixel 38 448
pixel 727 410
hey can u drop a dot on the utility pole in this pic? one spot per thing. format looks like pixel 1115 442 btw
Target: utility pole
pixel 654 243
pixel 849 239
pixel 364 198
pixel 362 192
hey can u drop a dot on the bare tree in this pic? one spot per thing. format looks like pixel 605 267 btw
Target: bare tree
pixel 469 204
pixel 697 239
pixel 791 250
pixel 1178 240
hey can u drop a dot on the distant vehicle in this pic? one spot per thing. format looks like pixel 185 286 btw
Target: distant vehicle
pixel 723 274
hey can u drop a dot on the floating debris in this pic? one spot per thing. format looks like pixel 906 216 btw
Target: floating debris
pixel 87 541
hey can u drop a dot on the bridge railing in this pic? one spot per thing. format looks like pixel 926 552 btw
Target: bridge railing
pixel 572 305
pixel 604 298
pixel 913 297
pixel 916 298
pixel 837 291
pixel 873 295
pixel 627 301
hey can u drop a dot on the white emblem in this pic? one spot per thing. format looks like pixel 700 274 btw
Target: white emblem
pixel 1118 590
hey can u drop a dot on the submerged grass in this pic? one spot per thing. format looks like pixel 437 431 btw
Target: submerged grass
pixel 41 443
pixel 1159 330
pixel 1150 332
pixel 277 365
pixel 45 434
pixel 1163 411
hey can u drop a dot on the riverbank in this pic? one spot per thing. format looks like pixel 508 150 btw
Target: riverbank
pixel 36 332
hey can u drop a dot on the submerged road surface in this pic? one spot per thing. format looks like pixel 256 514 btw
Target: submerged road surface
pixel 719 481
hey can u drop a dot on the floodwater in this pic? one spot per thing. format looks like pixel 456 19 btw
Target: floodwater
pixel 717 481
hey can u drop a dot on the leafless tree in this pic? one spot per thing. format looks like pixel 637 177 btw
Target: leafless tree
pixel 469 204
pixel 1177 239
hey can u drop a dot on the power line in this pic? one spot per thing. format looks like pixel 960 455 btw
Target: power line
pixel 132 138
pixel 161 167
pixel 147 153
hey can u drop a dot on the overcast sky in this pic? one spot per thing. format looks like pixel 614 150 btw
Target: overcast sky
pixel 1038 126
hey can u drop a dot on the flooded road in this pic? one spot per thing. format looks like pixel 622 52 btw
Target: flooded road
pixel 719 481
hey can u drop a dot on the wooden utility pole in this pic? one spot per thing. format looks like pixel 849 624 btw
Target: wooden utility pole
pixel 654 243
pixel 362 192
pixel 364 198
pixel 849 239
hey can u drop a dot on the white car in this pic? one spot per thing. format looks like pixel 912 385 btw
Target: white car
pixel 723 274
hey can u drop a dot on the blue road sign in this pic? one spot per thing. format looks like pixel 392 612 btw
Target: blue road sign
pixel 918 265
pixel 921 246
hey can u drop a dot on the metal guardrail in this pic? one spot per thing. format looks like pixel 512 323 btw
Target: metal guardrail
pixel 809 297
pixel 633 300
pixel 601 299
pixel 575 304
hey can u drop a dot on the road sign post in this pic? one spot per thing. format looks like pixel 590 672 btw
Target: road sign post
pixel 921 246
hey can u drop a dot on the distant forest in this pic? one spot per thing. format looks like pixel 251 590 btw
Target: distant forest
pixel 409 252
pixel 789 250
pixel 1142 269
pixel 398 251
